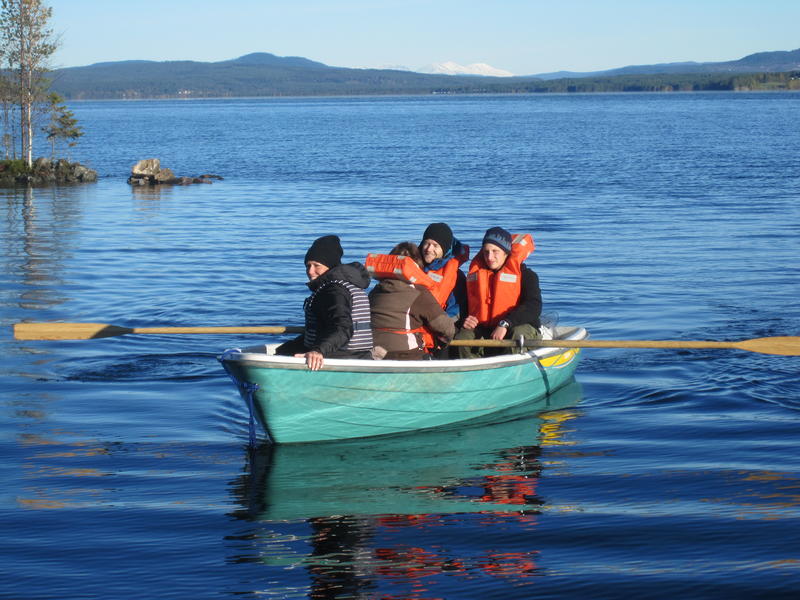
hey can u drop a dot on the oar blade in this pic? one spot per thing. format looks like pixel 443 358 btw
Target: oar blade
pixel 784 346
pixel 66 331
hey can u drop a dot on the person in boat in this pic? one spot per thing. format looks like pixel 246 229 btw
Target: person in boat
pixel 442 257
pixel 503 295
pixel 337 315
pixel 402 311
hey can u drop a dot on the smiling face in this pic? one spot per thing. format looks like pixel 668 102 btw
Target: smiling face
pixel 314 269
pixel 431 250
pixel 494 256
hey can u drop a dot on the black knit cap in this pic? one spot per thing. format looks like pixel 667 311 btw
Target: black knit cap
pixel 441 234
pixel 326 250
pixel 499 237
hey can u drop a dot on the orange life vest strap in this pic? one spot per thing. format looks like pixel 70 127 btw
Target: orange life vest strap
pixel 420 330
pixel 400 331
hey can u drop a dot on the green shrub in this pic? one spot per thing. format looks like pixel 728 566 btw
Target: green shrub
pixel 14 168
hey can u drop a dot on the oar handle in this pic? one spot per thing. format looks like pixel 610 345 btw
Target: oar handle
pixel 612 344
pixel 781 345
pixel 485 343
pixel 217 330
pixel 593 344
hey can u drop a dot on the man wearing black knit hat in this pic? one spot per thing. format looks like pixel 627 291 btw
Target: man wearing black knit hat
pixel 503 295
pixel 337 314
pixel 442 257
pixel 436 242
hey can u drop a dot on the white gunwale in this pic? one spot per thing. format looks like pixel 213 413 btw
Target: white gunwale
pixel 262 356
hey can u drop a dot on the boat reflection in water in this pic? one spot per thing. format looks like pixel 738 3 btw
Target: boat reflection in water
pixel 355 513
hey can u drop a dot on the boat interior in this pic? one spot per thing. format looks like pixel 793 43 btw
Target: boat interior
pixel 263 351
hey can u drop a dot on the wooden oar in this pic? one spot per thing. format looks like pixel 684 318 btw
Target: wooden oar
pixel 786 346
pixel 89 331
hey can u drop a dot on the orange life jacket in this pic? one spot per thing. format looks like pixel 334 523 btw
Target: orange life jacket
pixel 440 282
pixel 393 266
pixel 444 279
pixel 491 295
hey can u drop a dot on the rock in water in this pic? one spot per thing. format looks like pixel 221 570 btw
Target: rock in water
pixel 149 172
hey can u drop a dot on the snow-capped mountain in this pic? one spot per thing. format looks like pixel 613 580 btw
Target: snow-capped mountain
pixel 452 68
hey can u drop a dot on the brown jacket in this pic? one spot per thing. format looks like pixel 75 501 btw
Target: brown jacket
pixel 397 308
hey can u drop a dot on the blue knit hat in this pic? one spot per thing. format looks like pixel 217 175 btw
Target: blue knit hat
pixel 499 237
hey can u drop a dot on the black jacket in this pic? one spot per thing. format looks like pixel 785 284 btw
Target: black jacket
pixel 529 307
pixel 332 312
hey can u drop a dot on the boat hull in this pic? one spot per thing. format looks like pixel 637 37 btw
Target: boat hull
pixel 361 399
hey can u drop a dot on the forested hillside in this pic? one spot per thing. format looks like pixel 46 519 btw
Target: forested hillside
pixel 263 74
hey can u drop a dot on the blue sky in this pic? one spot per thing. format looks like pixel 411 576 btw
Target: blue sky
pixel 521 36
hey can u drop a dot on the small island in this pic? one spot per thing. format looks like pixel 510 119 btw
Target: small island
pixel 26 45
pixel 44 172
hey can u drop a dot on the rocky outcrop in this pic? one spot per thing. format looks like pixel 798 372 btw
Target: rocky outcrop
pixel 44 172
pixel 150 172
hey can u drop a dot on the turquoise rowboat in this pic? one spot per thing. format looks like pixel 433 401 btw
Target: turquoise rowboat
pixel 363 399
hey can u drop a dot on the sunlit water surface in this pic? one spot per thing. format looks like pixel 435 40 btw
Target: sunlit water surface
pixel 658 474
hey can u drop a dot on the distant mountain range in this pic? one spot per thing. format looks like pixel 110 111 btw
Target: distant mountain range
pixel 772 62
pixel 761 62
pixel 257 74
pixel 264 74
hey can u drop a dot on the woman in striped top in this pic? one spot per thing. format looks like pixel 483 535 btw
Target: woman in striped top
pixel 337 314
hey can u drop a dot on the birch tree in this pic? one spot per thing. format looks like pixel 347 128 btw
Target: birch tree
pixel 27 45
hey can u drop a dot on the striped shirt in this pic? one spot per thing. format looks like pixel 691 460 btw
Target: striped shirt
pixel 361 340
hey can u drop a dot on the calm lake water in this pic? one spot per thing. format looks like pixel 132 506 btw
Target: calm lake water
pixel 657 474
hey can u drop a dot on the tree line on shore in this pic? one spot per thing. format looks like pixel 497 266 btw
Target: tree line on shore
pixel 380 85
pixel 691 82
